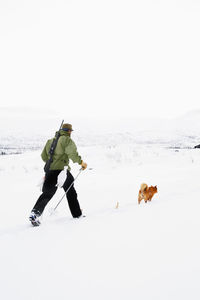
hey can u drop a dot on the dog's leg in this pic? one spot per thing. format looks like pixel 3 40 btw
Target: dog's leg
pixel 139 199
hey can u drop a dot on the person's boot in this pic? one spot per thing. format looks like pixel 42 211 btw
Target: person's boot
pixel 34 218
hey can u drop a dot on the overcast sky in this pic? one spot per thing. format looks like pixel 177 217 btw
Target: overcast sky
pixel 101 58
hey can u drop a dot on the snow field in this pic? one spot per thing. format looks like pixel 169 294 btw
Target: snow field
pixel 147 251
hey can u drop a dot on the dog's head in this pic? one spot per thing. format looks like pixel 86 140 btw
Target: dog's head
pixel 155 190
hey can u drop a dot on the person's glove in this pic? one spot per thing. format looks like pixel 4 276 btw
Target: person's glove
pixel 83 165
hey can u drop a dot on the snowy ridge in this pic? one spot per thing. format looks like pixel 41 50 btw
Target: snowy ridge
pixel 30 131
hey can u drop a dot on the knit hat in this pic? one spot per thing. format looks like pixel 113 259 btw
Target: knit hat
pixel 67 127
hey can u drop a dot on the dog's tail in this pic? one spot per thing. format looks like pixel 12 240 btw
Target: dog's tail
pixel 143 187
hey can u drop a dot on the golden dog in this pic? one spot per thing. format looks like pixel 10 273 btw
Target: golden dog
pixel 146 192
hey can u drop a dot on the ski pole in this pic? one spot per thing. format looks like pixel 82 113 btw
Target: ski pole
pixel 67 190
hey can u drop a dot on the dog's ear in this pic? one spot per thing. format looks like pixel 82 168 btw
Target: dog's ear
pixel 155 186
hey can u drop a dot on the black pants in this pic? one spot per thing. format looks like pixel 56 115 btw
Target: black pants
pixel 49 189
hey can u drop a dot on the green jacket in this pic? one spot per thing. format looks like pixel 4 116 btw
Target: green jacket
pixel 65 150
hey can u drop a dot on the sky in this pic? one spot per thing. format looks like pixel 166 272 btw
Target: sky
pixel 100 59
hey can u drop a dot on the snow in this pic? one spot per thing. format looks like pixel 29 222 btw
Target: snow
pixel 146 251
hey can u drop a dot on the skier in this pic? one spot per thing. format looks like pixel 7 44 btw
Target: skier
pixel 65 150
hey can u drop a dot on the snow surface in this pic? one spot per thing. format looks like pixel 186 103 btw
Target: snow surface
pixel 142 252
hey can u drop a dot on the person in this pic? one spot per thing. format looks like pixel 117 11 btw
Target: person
pixel 64 151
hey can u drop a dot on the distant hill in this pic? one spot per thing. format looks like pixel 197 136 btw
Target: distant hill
pixel 24 128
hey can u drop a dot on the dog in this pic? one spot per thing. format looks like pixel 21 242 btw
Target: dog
pixel 146 192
